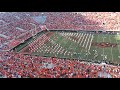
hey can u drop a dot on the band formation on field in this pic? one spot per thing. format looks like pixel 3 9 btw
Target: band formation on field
pixel 81 45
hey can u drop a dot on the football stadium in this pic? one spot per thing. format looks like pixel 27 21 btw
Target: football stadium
pixel 59 45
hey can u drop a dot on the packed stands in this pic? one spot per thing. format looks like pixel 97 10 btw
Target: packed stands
pixel 83 21
pixel 21 66
pixel 13 28
pixel 15 24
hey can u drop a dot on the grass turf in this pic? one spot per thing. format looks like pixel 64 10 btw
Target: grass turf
pixel 78 52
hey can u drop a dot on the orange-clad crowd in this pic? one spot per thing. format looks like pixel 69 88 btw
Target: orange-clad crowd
pixel 14 65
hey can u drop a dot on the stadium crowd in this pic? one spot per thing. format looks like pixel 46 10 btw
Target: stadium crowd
pixel 21 66
pixel 13 65
pixel 83 20
pixel 14 24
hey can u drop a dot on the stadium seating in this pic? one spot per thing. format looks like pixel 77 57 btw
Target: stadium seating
pixel 83 21
pixel 20 66
pixel 14 65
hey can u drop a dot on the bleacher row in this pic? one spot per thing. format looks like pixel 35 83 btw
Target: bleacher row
pixel 15 24
pixel 21 66
pixel 83 20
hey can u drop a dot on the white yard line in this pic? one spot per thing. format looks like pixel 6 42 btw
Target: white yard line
pixel 67 37
pixel 85 40
pixel 78 40
pixel 65 44
pixel 81 34
pixel 58 45
pixel 87 45
pixel 88 41
pixel 103 49
pixel 77 36
pixel 82 39
pixel 80 45
pixel 75 49
pixel 90 45
pixel 97 42
pixel 69 45
pixel 111 49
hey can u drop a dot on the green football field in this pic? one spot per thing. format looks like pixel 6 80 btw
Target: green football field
pixel 79 45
